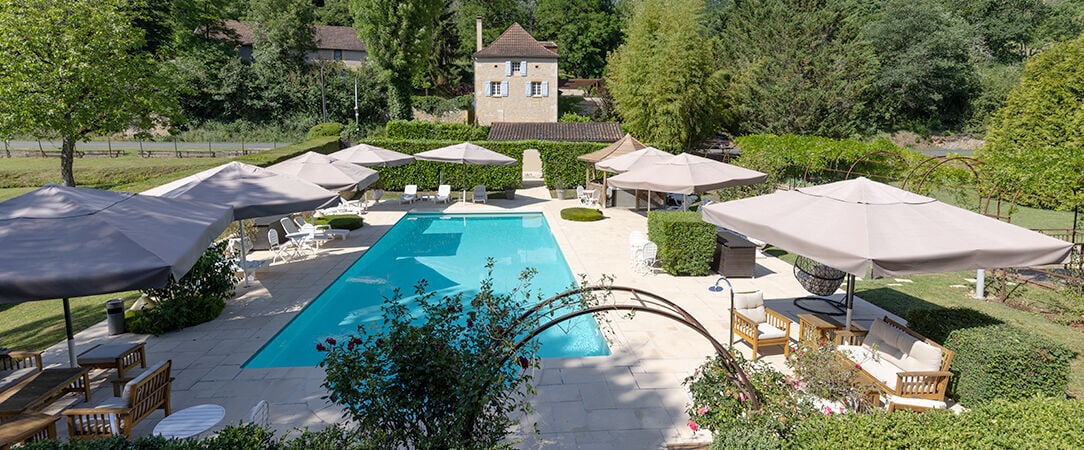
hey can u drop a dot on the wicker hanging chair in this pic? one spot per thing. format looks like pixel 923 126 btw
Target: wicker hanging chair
pixel 817 278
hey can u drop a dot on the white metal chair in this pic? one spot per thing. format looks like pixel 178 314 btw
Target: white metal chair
pixel 281 249
pixel 410 193
pixel 444 193
pixel 645 258
pixel 304 240
pixel 479 194
pixel 636 244
pixel 586 196
pixel 260 415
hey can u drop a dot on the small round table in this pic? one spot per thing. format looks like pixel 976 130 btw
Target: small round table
pixel 190 421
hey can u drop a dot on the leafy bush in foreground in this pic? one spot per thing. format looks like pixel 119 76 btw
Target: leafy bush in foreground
pixel 199 296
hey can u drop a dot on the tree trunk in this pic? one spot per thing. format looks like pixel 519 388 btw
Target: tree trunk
pixel 399 107
pixel 67 156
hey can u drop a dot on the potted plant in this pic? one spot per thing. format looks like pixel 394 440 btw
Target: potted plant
pixel 377 190
pixel 560 185
pixel 510 192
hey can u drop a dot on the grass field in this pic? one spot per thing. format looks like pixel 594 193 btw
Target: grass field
pixel 101 173
pixel 38 325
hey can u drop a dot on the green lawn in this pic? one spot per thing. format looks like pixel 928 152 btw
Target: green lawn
pixel 38 325
pixel 102 173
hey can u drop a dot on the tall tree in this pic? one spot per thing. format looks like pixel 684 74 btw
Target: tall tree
pixel 497 16
pixel 1014 30
pixel 282 32
pixel 74 69
pixel 800 67
pixel 585 32
pixel 664 78
pixel 398 36
pixel 926 77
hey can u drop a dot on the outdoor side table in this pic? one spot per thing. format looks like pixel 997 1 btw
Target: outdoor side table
pixel 25 429
pixel 815 327
pixel 190 421
pixel 122 357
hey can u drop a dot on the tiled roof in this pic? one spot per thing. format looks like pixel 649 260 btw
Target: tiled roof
pixel 555 131
pixel 515 42
pixel 325 37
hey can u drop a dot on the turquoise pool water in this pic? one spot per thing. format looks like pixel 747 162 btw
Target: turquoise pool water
pixel 450 252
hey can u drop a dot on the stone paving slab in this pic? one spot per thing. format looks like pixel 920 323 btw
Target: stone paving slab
pixel 631 399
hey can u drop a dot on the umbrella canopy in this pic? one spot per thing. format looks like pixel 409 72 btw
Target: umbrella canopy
pixel 251 191
pixel 67 242
pixel 466 153
pixel 686 174
pixel 62 242
pixel 624 163
pixel 625 145
pixel 327 172
pixel 866 225
pixel 368 155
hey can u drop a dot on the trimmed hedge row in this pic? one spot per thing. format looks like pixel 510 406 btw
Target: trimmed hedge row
pixel 341 222
pixel 325 129
pixel 428 174
pixel 1032 423
pixel 559 163
pixel 686 243
pixel 413 129
pixel 1006 362
pixel 994 360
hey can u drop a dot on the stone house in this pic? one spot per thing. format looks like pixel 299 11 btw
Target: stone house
pixel 515 78
pixel 332 43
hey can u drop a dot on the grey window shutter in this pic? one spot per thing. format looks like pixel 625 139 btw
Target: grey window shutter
pixel 527 91
pixel 508 68
pixel 504 88
pixel 489 89
pixel 523 68
pixel 545 88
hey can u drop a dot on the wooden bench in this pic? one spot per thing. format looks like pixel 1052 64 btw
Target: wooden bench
pixel 41 389
pixel 25 429
pixel 14 360
pixel 122 357
pixel 900 362
pixel 142 395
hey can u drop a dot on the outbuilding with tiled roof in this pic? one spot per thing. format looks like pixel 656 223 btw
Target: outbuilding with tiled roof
pixel 515 78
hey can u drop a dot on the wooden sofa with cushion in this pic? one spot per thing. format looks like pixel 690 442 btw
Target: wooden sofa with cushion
pixel 758 325
pixel 901 362
pixel 141 396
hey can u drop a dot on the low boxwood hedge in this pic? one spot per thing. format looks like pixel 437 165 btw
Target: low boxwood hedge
pixel 581 214
pixel 414 129
pixel 1031 423
pixel 686 243
pixel 1006 362
pixel 342 222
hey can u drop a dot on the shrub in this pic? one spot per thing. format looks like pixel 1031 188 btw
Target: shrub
pixel 450 380
pixel 414 130
pixel 232 437
pixel 719 404
pixel 746 439
pixel 820 159
pixel 938 324
pixel 325 130
pixel 686 243
pixel 1032 423
pixel 573 117
pixel 325 145
pixel 199 296
pixel 1006 362
pixel 581 214
pixel 822 373
pixel 343 222
pixel 437 105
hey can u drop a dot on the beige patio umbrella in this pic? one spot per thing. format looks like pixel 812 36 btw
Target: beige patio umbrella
pixel 625 145
pixel 327 172
pixel 372 156
pixel 861 225
pixel 466 153
pixel 686 174
pixel 622 164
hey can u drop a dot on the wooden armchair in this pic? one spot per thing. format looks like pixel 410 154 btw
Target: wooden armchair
pixel 758 325
pixel 142 396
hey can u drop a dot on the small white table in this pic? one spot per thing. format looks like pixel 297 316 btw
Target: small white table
pixel 190 422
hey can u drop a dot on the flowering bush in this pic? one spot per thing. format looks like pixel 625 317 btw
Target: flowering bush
pixel 448 380
pixel 719 404
pixel 821 372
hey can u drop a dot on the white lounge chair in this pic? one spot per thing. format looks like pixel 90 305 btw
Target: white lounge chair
pixel 281 249
pixel 479 194
pixel 444 192
pixel 304 240
pixel 410 193
pixel 354 207
pixel 321 232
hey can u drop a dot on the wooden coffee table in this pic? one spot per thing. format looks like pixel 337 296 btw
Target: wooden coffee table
pixel 122 357
pixel 41 389
pixel 28 429
pixel 815 328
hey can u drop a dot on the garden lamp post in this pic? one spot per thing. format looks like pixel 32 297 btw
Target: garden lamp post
pixel 729 287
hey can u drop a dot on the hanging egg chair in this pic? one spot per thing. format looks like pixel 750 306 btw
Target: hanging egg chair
pixel 820 280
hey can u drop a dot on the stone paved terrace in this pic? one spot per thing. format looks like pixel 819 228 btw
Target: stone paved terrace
pixel 631 399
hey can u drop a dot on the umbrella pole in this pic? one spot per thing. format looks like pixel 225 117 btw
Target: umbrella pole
pixel 244 263
pixel 605 188
pixel 850 299
pixel 71 335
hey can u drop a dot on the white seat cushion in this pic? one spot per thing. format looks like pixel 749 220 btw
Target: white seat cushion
pixel 922 357
pixel 765 331
pixel 751 305
pixel 874 365
pixel 916 402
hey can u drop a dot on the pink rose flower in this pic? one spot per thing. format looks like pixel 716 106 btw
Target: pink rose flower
pixel 703 410
pixel 693 426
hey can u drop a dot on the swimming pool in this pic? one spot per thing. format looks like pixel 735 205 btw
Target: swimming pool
pixel 450 252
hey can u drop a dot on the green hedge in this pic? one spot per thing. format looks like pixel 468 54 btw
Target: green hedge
pixel 559 162
pixel 581 214
pixel 325 130
pixel 427 174
pixel 938 324
pixel 686 243
pixel 1032 423
pixel 789 157
pixel 232 437
pixel 1006 362
pixel 413 130
pixel 342 222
